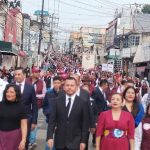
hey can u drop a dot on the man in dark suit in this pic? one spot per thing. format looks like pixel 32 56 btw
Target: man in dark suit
pixel 28 99
pixel 99 96
pixel 86 97
pixel 69 120
pixel 100 101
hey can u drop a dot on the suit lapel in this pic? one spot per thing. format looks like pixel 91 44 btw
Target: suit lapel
pixel 63 104
pixel 24 89
pixel 74 106
pixel 99 91
pixel 81 93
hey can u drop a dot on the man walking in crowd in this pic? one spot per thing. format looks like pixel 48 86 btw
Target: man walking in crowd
pixel 40 90
pixel 112 89
pixel 28 100
pixel 85 96
pixel 69 120
pixel 50 96
pixel 100 97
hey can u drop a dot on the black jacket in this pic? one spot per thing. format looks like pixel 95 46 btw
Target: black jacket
pixel 100 102
pixel 49 97
pixel 30 102
pixel 72 131
pixel 86 96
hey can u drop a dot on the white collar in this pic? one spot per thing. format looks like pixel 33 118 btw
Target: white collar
pixel 78 92
pixel 22 83
pixel 72 97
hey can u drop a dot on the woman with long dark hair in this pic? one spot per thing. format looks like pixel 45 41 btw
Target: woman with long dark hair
pixel 133 106
pixel 13 120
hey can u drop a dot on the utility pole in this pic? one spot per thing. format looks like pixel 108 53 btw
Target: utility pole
pixel 40 34
pixel 51 32
pixel 52 24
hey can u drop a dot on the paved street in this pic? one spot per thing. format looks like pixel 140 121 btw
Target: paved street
pixel 42 134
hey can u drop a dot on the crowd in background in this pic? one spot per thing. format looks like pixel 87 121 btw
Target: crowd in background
pixel 118 105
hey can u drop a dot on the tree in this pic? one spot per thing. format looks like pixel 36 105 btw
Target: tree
pixel 146 9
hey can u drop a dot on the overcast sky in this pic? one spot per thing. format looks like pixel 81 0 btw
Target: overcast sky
pixel 75 13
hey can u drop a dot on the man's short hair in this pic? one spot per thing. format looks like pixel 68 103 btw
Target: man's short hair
pixel 57 78
pixel 103 82
pixel 71 78
pixel 20 68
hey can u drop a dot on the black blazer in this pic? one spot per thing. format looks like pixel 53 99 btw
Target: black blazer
pixel 30 102
pixel 48 99
pixel 72 131
pixel 86 96
pixel 100 102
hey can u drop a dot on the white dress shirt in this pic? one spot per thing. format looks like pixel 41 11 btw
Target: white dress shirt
pixel 2 88
pixel 22 85
pixel 72 101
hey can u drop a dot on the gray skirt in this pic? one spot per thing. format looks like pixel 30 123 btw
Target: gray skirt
pixel 10 140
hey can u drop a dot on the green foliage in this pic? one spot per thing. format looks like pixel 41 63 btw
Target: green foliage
pixel 146 9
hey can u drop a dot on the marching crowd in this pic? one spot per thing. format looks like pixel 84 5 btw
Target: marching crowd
pixel 112 107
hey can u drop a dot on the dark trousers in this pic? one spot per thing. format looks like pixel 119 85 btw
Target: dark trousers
pixel 87 142
pixel 28 134
pixel 94 139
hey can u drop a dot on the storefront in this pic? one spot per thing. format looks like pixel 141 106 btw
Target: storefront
pixel 8 55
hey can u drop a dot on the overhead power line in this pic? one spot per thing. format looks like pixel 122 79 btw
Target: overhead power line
pixel 90 5
pixel 83 8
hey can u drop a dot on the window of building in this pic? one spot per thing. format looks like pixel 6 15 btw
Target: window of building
pixel 126 43
pixel 134 40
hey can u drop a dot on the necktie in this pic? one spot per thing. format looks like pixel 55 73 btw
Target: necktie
pixel 20 87
pixel 68 106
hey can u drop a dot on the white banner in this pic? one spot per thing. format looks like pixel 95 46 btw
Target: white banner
pixel 104 67
pixel 108 67
pixel 88 61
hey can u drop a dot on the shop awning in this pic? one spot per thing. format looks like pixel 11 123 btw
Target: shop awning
pixel 7 49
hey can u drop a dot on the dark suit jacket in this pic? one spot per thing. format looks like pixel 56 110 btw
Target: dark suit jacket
pixel 86 96
pixel 72 131
pixel 48 99
pixel 29 101
pixel 100 102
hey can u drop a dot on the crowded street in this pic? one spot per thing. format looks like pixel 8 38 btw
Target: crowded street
pixel 74 75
